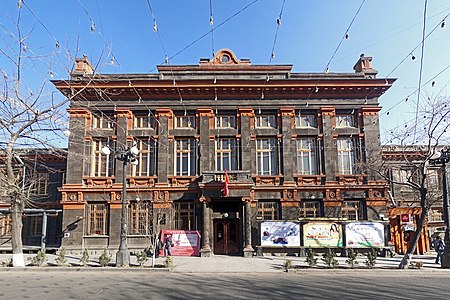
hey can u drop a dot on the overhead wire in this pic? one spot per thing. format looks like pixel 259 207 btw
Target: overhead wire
pixel 344 37
pixel 421 61
pixel 209 31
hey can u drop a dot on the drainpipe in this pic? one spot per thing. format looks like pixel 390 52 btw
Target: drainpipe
pixel 44 231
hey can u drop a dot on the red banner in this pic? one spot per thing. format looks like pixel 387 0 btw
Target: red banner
pixel 184 242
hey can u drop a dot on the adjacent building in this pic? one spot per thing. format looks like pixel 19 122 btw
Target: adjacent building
pixel 40 172
pixel 402 166
pixel 224 145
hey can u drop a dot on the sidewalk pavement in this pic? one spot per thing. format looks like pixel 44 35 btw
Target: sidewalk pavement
pixel 233 264
pixel 264 264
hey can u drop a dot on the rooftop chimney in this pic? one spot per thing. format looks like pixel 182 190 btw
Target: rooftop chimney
pixel 83 67
pixel 364 65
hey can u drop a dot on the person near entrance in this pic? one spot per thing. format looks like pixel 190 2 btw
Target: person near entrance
pixel 167 245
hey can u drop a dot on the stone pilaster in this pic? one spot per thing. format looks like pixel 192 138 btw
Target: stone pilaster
pixel 165 147
pixel 246 127
pixel 329 144
pixel 287 124
pixel 371 141
pixel 124 123
pixel 206 122
pixel 80 122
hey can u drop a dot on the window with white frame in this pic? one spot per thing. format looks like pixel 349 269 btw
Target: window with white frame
pixel 139 217
pixel 102 121
pixel 146 157
pixel 265 121
pixel 40 183
pixel 345 120
pixel 100 164
pixel 310 209
pixel 184 215
pixel 433 179
pixel 185 122
pixel 346 155
pixel 305 120
pixel 268 210
pixel 144 121
pixel 225 121
pixel 266 162
pixel 185 157
pixel 226 154
pixel 306 156
pixel 352 210
pixel 97 216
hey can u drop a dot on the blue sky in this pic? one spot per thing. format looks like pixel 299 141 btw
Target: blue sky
pixel 309 34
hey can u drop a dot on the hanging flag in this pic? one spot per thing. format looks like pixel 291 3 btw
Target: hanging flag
pixel 226 191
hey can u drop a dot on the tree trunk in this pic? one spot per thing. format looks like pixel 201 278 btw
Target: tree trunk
pixel 412 246
pixel 16 233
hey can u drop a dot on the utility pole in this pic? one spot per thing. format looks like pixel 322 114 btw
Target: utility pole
pixel 442 161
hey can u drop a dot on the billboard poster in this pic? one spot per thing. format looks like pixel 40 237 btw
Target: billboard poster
pixel 184 242
pixel 364 234
pixel 280 234
pixel 322 234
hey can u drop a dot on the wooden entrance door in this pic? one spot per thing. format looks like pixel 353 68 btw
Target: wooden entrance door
pixel 226 236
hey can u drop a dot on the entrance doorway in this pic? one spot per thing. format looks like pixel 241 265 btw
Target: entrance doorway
pixel 226 236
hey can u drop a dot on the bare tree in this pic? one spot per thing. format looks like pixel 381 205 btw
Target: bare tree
pixel 32 115
pixel 425 136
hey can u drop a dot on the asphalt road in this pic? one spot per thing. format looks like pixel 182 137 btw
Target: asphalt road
pixel 330 284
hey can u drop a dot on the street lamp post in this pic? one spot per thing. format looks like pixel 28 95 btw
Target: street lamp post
pixel 126 156
pixel 443 160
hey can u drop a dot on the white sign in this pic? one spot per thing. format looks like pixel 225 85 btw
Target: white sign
pixel 280 234
pixel 365 234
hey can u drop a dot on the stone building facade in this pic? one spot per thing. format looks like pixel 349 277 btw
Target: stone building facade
pixel 293 146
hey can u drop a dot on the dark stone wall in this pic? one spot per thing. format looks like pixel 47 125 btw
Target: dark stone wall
pixel 73 222
pixel 76 158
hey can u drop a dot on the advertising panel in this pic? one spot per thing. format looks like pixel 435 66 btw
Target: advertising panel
pixel 322 234
pixel 280 234
pixel 184 242
pixel 364 234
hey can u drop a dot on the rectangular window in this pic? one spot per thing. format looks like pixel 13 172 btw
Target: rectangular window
pixel 345 120
pixel 268 210
pixel 265 157
pixel 40 183
pixel 226 154
pixel 352 210
pixel 5 224
pixel 101 164
pixel 185 155
pixel 225 121
pixel 97 216
pixel 103 121
pixel 310 209
pixel 185 122
pixel 306 156
pixel 35 225
pixel 139 215
pixel 433 179
pixel 184 216
pixel 305 120
pixel 144 121
pixel 146 157
pixel 265 121
pixel 346 155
